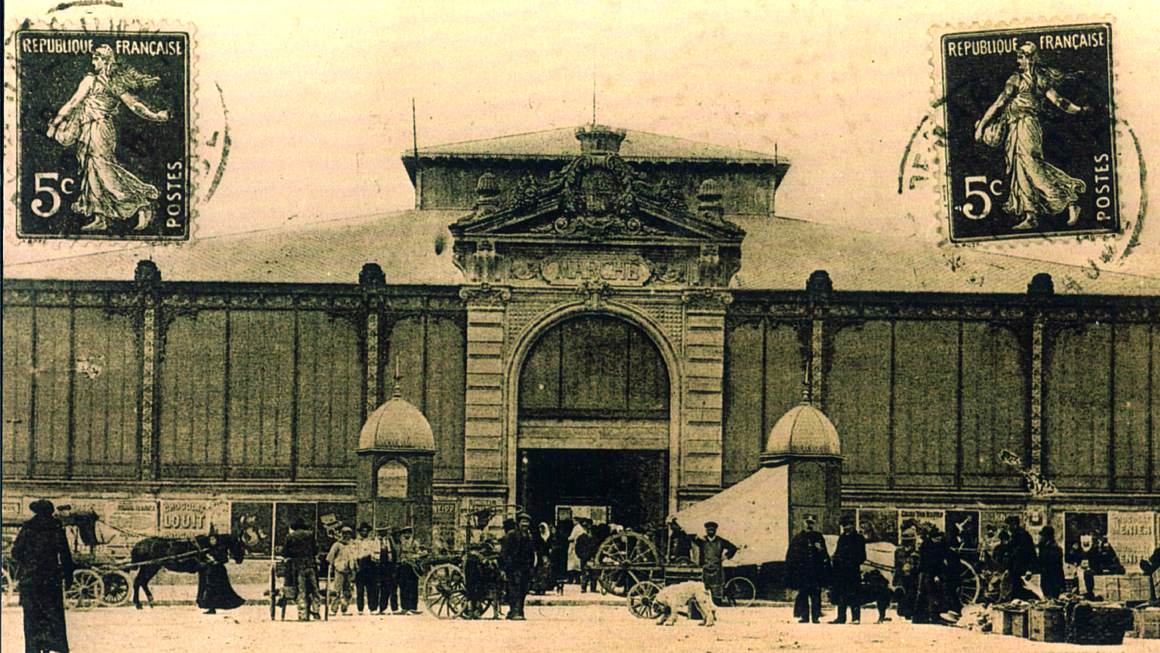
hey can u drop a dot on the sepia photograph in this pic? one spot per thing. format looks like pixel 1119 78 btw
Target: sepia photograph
pixel 580 326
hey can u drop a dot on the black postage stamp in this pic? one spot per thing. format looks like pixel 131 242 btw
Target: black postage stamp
pixel 1029 121
pixel 103 134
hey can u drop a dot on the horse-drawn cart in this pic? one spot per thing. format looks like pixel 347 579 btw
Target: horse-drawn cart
pixel 99 578
pixel 630 565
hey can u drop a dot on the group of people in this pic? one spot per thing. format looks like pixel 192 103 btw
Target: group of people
pixel 374 570
pixel 928 573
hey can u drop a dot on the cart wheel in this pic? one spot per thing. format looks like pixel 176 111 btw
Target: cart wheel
pixel 445 591
pixel 117 586
pixel 86 591
pixel 969 584
pixel 640 600
pixel 740 592
pixel 628 558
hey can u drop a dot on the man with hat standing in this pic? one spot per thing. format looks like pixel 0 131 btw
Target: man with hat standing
pixel 518 556
pixel 410 550
pixel 1020 560
pixel 343 559
pixel 388 558
pixel 714 551
pixel 848 558
pixel 301 551
pixel 808 570
pixel 42 550
pixel 366 575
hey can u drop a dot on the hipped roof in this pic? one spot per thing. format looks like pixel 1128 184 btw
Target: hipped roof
pixel 777 254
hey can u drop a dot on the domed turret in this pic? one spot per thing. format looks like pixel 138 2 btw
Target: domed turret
pixel 804 431
pixel 397 425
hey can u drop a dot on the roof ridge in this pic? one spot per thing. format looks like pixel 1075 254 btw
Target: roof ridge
pixel 484 140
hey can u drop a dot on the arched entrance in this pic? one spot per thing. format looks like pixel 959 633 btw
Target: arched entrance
pixel 594 406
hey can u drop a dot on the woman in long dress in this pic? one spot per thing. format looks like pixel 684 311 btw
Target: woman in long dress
pixel 107 190
pixel 1035 187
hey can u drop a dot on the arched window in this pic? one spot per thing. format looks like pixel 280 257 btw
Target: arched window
pixel 392 480
pixel 595 366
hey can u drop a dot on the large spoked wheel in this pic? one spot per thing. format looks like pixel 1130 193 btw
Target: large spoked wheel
pixel 445 591
pixel 628 558
pixel 641 600
pixel 969 583
pixel 86 591
pixel 740 592
pixel 117 586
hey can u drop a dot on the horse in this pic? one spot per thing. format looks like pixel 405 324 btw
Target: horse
pixel 181 555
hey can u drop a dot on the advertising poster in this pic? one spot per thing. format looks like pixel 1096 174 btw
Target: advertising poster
pixel 965 525
pixel 254 523
pixel 1078 524
pixel 909 516
pixel 331 518
pixel 1133 536
pixel 189 517
pixel 879 525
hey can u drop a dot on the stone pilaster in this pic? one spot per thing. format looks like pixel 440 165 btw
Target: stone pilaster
pixel 704 363
pixel 484 451
pixel 148 279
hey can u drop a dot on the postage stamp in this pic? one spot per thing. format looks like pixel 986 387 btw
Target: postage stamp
pixel 1028 123
pixel 103 134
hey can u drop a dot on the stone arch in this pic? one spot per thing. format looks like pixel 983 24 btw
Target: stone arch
pixel 554 317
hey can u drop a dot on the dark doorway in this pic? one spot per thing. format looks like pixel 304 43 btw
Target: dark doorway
pixel 633 484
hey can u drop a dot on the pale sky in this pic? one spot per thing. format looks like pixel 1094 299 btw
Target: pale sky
pixel 319 95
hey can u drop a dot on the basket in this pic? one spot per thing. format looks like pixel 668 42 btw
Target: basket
pixel 1011 621
pixel 1097 623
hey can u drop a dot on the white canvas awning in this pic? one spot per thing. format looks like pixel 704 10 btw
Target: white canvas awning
pixel 753 514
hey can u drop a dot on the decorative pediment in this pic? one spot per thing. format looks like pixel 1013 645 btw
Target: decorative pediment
pixel 595 208
pixel 595 198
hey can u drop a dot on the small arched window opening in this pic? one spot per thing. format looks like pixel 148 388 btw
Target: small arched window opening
pixel 392 480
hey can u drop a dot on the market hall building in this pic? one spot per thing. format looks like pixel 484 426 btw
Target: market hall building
pixel 589 318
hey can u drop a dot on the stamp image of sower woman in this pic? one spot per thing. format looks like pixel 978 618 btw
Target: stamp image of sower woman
pixel 107 191
pixel 1035 187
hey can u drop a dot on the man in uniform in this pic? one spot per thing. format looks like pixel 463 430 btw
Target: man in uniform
pixel 518 554
pixel 714 551
pixel 808 570
pixel 848 558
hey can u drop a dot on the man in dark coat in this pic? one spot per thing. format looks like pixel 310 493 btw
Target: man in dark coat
pixel 1149 566
pixel 518 556
pixel 714 551
pixel 932 573
pixel 1020 560
pixel 1051 576
pixel 41 549
pixel 906 572
pixel 388 571
pixel 808 570
pixel 848 558
pixel 301 553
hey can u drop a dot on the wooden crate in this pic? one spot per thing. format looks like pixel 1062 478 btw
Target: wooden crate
pixel 1047 625
pixel 1011 621
pixel 1121 588
pixel 1147 623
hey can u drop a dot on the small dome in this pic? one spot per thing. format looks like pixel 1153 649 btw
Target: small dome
pixel 396 425
pixel 803 431
pixel 709 190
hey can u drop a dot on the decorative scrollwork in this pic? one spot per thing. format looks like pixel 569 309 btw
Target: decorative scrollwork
pixel 486 294
pixel 707 299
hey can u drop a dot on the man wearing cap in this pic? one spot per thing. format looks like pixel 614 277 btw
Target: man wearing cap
pixel 343 560
pixel 366 575
pixel 518 556
pixel 713 553
pixel 848 558
pixel 808 570
pixel 301 551
pixel 42 550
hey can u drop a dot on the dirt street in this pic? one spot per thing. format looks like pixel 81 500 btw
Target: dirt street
pixel 549 629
